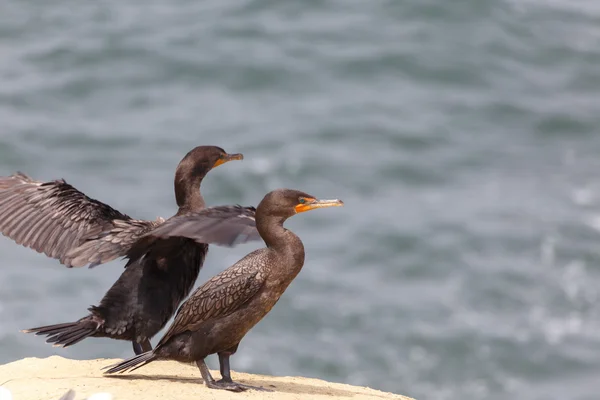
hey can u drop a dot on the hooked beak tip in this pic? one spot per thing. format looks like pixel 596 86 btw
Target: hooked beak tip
pixel 318 204
pixel 236 156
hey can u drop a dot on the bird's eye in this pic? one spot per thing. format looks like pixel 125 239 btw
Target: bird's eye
pixel 302 200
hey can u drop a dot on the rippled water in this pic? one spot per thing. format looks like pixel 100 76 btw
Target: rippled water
pixel 463 137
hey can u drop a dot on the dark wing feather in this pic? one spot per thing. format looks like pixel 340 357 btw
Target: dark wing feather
pixel 53 217
pixel 219 297
pixel 222 225
pixel 111 244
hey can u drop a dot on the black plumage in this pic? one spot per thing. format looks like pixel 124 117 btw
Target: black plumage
pixel 57 219
pixel 226 225
pixel 216 317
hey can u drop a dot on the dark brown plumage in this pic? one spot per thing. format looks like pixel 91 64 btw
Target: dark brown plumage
pixel 54 217
pixel 57 219
pixel 216 317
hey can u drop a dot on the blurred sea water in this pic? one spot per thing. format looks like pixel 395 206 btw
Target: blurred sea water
pixel 462 137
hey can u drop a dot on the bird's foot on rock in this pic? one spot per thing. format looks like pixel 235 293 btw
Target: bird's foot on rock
pixel 234 386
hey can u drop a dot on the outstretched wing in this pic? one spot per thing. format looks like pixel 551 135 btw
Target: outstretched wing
pixel 219 297
pixel 54 217
pixel 110 244
pixel 222 225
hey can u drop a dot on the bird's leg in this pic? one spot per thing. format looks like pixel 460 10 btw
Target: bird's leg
pixel 226 380
pixel 224 367
pixel 146 345
pixel 137 348
pixel 142 347
pixel 209 380
pixel 206 376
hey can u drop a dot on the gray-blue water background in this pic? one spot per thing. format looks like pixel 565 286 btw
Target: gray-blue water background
pixel 462 135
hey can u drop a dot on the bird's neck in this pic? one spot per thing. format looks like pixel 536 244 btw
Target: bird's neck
pixel 187 195
pixel 284 243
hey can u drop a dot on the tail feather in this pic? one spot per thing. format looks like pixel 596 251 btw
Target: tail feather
pixel 132 364
pixel 65 334
pixel 69 333
pixel 50 329
pixel 70 337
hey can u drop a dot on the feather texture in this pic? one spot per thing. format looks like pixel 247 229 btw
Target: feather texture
pixel 222 225
pixel 54 218
pixel 220 296
pixel 111 244
pixel 58 220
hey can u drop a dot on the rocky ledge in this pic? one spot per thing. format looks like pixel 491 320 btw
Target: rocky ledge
pixel 50 378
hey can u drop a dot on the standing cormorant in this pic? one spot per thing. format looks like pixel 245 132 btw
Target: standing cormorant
pixel 216 317
pixel 57 219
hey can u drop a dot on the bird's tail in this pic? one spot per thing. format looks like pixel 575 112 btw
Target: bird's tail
pixel 131 364
pixel 64 335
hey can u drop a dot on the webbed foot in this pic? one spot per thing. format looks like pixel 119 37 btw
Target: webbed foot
pixel 233 386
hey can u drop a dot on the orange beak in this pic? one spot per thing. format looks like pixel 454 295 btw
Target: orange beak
pixel 311 204
pixel 227 158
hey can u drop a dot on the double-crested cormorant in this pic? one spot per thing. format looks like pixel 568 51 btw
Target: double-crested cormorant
pixel 216 317
pixel 57 219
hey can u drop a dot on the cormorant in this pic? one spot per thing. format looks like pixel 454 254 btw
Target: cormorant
pixel 57 219
pixel 216 317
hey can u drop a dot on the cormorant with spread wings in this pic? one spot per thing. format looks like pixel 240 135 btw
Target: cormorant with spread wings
pixel 63 223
